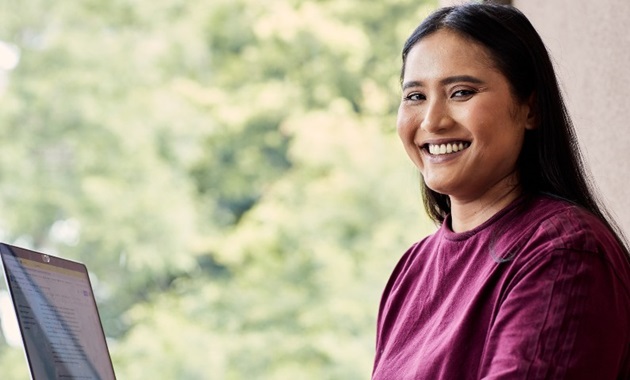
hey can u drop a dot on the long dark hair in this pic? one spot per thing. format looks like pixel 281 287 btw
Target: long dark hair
pixel 550 160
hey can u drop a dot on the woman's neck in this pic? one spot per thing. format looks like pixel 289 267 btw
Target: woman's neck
pixel 467 215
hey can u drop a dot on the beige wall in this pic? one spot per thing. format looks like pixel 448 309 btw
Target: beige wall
pixel 589 42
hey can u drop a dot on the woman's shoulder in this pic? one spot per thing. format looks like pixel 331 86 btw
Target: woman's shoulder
pixel 561 230
pixel 569 226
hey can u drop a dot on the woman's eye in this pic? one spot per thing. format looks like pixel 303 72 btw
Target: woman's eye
pixel 463 93
pixel 415 97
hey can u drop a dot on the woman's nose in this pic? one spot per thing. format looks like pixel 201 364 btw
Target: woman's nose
pixel 436 117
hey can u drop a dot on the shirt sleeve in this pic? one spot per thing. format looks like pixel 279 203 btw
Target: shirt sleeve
pixel 564 317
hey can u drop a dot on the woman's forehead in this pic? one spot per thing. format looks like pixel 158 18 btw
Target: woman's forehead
pixel 446 52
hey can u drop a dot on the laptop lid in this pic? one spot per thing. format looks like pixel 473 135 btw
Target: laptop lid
pixel 57 314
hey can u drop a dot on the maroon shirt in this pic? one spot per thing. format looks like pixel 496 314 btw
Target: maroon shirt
pixel 539 291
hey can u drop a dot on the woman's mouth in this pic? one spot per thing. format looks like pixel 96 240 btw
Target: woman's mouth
pixel 448 148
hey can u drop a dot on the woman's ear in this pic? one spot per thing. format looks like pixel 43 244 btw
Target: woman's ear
pixel 532 114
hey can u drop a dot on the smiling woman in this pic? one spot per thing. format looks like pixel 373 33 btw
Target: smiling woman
pixel 453 96
pixel 527 277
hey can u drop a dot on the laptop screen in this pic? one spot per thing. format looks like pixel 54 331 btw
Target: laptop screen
pixel 57 314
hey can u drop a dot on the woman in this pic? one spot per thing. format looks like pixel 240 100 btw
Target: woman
pixel 526 278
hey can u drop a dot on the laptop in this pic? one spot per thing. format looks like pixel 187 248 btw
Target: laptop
pixel 57 314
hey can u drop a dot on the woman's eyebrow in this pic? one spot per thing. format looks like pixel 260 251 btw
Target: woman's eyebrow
pixel 413 83
pixel 445 81
pixel 461 78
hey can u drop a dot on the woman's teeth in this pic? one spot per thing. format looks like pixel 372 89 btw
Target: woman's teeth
pixel 437 149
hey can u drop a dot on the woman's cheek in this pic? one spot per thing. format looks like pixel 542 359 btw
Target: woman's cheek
pixel 405 125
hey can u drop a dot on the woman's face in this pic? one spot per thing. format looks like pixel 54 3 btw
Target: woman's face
pixel 458 120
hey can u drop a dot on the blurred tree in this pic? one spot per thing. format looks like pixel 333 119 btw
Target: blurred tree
pixel 227 169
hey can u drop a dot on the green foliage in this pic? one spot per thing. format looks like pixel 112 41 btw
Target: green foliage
pixel 227 169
